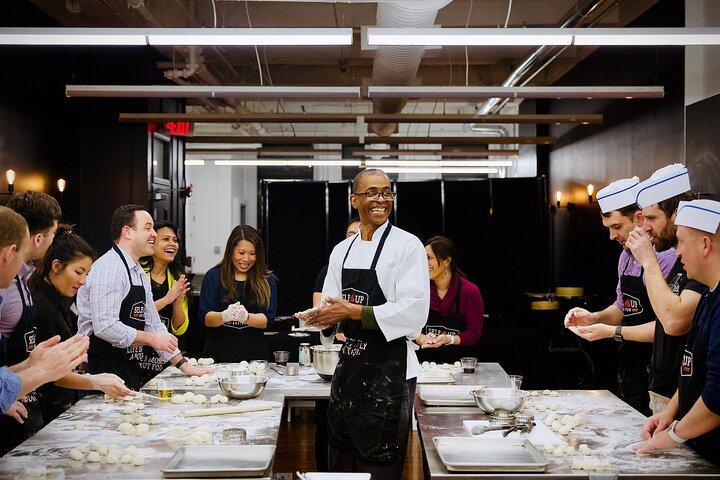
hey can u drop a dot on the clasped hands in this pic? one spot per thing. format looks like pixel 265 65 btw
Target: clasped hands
pixel 432 340
pixel 330 311
pixel 235 313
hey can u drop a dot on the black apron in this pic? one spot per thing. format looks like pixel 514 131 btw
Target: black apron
pixel 693 372
pixel 150 362
pixel 123 362
pixel 18 348
pixel 232 341
pixel 368 394
pixel 635 356
pixel 667 349
pixel 453 323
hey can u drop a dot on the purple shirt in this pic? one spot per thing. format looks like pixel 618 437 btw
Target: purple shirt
pixel 12 307
pixel 627 265
pixel 471 307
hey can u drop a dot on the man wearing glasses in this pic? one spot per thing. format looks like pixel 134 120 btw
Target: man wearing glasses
pixel 377 285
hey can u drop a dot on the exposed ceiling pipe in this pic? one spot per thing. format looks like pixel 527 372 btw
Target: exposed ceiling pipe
pixel 141 8
pixel 194 62
pixel 571 19
pixel 398 65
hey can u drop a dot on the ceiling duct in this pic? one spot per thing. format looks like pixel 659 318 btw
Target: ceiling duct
pixel 398 65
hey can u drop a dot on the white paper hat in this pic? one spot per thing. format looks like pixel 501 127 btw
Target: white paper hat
pixel 618 194
pixel 663 184
pixel 699 214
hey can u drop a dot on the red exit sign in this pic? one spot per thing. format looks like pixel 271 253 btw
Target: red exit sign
pixel 179 128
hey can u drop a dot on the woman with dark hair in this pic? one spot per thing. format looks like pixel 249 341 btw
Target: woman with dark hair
pixel 54 285
pixel 456 307
pixel 238 300
pixel 169 289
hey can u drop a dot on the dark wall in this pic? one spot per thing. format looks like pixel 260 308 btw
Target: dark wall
pixel 703 145
pixel 499 226
pixel 636 138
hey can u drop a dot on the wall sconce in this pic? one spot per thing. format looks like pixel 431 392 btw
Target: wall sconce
pixel 10 176
pixel 558 196
pixel 61 185
pixel 590 190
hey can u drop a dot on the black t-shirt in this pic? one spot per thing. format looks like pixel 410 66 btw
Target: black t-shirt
pixel 320 280
pixel 668 349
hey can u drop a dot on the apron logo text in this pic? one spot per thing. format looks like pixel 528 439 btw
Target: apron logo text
pixel 631 305
pixel 686 368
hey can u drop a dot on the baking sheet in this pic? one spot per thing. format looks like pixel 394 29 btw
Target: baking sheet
pixel 447 395
pixel 468 454
pixel 440 377
pixel 220 461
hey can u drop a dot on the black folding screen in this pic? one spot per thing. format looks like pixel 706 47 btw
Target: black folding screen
pixel 499 226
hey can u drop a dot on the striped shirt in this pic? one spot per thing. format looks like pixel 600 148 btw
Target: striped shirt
pixel 99 301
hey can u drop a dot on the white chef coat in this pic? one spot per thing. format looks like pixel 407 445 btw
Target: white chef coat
pixel 402 272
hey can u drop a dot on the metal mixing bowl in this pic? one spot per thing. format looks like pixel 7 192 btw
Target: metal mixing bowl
pixel 242 386
pixel 490 399
pixel 325 359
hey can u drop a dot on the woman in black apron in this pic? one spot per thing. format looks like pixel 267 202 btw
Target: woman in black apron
pixel 124 362
pixel 17 348
pixel 242 276
pixel 694 369
pixel 369 395
pixel 450 324
pixel 166 275
pixel 634 356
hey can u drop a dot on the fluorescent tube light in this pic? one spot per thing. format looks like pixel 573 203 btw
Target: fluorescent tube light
pixel 439 170
pixel 197 163
pixel 200 91
pixel 542 36
pixel 289 163
pixel 251 147
pixel 515 92
pixel 438 163
pixel 176 36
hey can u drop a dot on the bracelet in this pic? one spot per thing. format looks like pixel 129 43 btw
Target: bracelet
pixel 674 436
pixel 181 362
pixel 452 339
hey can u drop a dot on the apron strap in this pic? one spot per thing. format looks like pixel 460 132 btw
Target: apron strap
pixel 348 251
pixel 380 246
pixel 122 257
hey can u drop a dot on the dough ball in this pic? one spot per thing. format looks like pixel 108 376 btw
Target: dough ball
pixel 76 454
pixel 199 381
pixel 210 361
pixel 569 450
pixel 546 392
pixel 115 451
pixel 214 399
pixel 93 457
pixel 199 398
pixel 457 365
pixel 129 409
pixel 129 398
pixel 102 450
pixel 194 377
pixel 551 417
pixel 154 420
pixel 132 449
pixel 193 440
pixel 189 382
pixel 243 364
pixel 140 406
pixel 584 449
pixel 176 431
pixel 127 458
pixel 189 396
pixel 554 394
pixel 142 429
pixel 111 459
pixel 426 364
pixel 138 460
pixel 549 449
pixel 541 407
pixel 192 361
pixel 206 376
pixel 177 399
pixel 93 446
pixel 222 398
pixel 564 430
pixel 126 418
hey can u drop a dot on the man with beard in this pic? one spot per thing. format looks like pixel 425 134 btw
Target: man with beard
pixel 673 296
pixel 632 307
pixel 378 286
pixel 693 413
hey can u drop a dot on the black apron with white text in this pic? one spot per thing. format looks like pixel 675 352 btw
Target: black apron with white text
pixel 694 369
pixel 368 394
pixel 18 347
pixel 453 323
pixel 150 362
pixel 635 356
pixel 123 362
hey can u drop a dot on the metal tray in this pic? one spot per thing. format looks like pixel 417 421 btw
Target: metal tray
pixel 436 378
pixel 447 395
pixel 220 461
pixel 466 454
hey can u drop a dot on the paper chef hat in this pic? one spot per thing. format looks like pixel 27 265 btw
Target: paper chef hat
pixel 699 214
pixel 663 184
pixel 618 194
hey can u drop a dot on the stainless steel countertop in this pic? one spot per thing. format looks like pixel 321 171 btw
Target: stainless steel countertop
pixel 609 427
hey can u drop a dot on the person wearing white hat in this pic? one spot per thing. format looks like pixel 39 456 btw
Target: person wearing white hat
pixel 632 306
pixel 673 296
pixel 693 414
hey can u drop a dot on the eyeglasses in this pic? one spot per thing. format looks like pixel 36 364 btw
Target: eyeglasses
pixel 373 195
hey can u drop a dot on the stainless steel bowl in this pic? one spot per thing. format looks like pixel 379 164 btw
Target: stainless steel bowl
pixel 325 359
pixel 490 399
pixel 242 386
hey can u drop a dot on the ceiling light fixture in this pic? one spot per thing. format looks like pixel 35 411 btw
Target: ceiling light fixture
pixel 176 36
pixel 542 36
pixel 438 163
pixel 470 93
pixel 250 147
pixel 194 163
pixel 289 163
pixel 199 91
pixel 440 170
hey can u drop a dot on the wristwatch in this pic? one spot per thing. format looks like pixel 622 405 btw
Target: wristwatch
pixel 618 334
pixel 181 362
pixel 674 436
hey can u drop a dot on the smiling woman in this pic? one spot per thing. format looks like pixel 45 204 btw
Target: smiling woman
pixel 238 300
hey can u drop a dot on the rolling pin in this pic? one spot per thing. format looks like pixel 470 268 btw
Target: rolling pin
pixel 202 412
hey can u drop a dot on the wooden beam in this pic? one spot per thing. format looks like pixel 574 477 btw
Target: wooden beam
pixel 583 119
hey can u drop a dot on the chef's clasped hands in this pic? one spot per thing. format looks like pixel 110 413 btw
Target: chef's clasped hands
pixel 235 313
pixel 331 311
